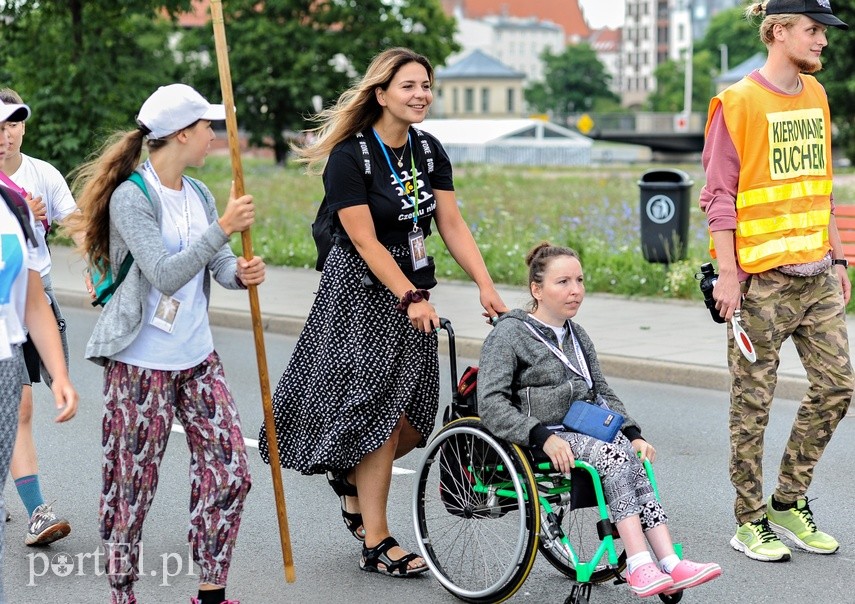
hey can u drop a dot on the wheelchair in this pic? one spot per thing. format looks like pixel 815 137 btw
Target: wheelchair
pixel 483 508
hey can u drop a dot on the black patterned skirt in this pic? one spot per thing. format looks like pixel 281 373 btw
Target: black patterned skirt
pixel 359 365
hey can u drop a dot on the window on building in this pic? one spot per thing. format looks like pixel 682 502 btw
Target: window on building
pixel 485 100
pixel 511 98
pixel 456 100
pixel 469 100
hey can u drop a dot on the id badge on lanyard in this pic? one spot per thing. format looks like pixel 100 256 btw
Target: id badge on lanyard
pixel 416 237
pixel 418 254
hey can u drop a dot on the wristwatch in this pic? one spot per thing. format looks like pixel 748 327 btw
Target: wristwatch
pixel 841 261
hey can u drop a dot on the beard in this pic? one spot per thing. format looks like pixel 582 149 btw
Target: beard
pixel 806 65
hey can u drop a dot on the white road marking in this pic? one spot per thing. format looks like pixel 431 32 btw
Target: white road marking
pixel 253 443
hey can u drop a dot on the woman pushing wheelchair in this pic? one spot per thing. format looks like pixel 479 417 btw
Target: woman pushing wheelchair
pixel 533 365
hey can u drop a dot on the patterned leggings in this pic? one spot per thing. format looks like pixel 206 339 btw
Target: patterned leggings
pixel 11 371
pixel 140 405
pixel 626 488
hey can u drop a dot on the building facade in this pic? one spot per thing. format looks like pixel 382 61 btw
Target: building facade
pixel 478 85
pixel 518 43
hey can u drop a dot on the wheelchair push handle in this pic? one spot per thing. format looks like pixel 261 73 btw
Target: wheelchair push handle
pixel 452 348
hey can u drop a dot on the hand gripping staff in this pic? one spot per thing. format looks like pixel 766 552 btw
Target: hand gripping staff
pixel 246 241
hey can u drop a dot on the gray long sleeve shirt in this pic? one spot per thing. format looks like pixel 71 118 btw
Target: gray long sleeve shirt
pixel 135 226
pixel 523 386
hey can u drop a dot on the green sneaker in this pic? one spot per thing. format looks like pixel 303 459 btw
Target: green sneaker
pixel 797 524
pixel 757 541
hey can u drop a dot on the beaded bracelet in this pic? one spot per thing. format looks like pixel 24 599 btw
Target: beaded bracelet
pixel 411 297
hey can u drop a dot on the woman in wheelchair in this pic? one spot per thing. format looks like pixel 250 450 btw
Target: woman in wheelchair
pixel 526 383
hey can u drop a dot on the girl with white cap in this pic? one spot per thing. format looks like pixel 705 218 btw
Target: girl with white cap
pixel 23 305
pixel 153 337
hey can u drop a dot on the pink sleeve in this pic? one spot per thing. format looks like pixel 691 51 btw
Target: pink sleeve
pixel 721 164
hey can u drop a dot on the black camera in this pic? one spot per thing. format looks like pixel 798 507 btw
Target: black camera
pixel 708 277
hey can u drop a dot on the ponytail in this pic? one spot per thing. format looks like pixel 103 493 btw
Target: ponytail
pixel 93 185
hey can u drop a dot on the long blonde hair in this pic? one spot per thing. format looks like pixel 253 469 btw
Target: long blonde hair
pixel 93 184
pixel 769 21
pixel 357 108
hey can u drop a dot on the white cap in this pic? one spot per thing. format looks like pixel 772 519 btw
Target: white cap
pixel 10 112
pixel 171 108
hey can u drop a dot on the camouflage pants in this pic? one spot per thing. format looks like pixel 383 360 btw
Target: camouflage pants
pixel 810 310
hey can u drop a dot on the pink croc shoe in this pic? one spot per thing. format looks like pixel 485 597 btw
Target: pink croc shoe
pixel 691 574
pixel 648 580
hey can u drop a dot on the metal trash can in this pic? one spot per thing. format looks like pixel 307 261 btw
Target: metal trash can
pixel 665 202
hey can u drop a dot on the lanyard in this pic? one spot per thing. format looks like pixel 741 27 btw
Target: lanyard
pixel 23 193
pixel 577 349
pixel 150 171
pixel 414 199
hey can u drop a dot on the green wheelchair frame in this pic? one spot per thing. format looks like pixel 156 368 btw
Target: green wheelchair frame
pixel 479 527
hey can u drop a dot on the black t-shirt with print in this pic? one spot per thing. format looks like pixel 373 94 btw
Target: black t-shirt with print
pixel 345 179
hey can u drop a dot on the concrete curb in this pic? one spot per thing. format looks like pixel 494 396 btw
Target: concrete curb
pixel 469 349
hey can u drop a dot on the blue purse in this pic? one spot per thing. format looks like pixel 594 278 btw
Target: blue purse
pixel 590 419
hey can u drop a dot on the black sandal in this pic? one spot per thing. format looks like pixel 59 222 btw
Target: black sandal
pixel 372 556
pixel 342 488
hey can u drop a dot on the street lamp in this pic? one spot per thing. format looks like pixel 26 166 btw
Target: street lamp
pixel 687 88
pixel 723 50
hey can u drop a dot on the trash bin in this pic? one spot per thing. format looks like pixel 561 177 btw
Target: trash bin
pixel 665 199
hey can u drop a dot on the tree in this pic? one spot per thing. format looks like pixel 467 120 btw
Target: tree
pixel 839 65
pixel 285 52
pixel 84 67
pixel 670 84
pixel 731 29
pixel 574 81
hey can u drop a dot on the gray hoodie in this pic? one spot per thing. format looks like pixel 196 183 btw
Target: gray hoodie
pixel 135 226
pixel 523 386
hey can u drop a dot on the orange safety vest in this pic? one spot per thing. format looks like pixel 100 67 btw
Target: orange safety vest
pixel 783 199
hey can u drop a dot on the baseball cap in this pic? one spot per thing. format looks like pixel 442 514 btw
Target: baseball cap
pixel 818 10
pixel 13 112
pixel 173 107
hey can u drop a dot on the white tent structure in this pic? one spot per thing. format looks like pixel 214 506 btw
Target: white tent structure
pixel 519 142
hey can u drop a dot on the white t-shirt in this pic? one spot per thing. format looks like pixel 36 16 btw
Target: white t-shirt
pixel 17 258
pixel 190 342
pixel 38 177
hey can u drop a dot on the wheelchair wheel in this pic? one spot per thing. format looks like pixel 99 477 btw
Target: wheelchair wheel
pixel 474 521
pixel 579 524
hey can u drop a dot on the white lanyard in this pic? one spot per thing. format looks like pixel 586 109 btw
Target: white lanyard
pixel 184 186
pixel 580 357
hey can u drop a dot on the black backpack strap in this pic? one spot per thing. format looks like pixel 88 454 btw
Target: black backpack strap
pixel 18 206
pixel 423 143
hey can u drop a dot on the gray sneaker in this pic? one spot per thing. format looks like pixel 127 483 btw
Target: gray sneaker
pixel 45 527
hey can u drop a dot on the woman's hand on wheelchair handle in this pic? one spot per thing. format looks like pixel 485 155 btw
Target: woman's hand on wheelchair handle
pixel 423 316
pixel 560 454
pixel 645 449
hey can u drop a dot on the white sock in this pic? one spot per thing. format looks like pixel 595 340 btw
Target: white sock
pixel 668 563
pixel 636 560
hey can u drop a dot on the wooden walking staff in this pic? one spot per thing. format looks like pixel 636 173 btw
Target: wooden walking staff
pixel 246 240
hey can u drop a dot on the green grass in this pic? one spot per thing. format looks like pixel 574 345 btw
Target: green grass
pixel 509 209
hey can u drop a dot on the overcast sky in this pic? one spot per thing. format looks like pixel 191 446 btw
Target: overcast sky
pixel 603 13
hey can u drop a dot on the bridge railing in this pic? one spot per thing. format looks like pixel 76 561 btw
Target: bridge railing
pixel 649 122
